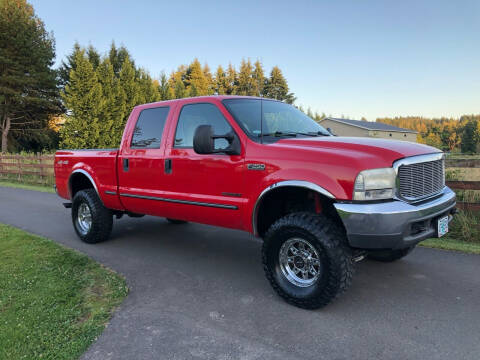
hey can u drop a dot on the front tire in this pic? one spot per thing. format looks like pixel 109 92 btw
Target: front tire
pixel 390 255
pixel 307 260
pixel 91 220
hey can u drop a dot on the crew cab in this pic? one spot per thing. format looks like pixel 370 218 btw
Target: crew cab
pixel 319 202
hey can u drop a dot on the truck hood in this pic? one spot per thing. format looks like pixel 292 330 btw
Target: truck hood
pixel 375 152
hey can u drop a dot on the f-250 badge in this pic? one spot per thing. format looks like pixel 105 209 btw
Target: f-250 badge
pixel 256 166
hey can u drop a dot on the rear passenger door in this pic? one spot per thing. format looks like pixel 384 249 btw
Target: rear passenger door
pixel 209 188
pixel 141 163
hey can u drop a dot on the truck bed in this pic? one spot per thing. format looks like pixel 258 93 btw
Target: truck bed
pixel 99 163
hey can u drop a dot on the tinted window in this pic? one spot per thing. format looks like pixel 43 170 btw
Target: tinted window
pixel 149 128
pixel 194 115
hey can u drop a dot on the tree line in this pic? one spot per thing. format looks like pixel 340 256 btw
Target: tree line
pixel 86 101
pixel 99 92
pixel 448 134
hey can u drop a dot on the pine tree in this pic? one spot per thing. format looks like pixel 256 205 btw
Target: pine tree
pixel 246 83
pixel 67 65
pixel 93 56
pixel 129 86
pixel 221 84
pixel 277 87
pixel 118 56
pixel 258 78
pixel 180 91
pixel 469 137
pixel 232 80
pixel 113 112
pixel 196 77
pixel 147 91
pixel 83 98
pixel 163 87
pixel 208 76
pixel 28 91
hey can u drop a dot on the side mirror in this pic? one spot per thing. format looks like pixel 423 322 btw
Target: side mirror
pixel 331 132
pixel 204 141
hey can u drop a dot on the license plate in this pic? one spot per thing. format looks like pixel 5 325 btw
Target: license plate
pixel 442 226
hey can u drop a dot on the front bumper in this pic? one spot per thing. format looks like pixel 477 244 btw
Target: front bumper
pixel 394 224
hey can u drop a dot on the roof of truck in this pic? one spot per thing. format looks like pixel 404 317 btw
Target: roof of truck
pixel 200 98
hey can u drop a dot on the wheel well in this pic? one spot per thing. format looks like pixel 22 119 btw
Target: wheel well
pixel 285 200
pixel 79 181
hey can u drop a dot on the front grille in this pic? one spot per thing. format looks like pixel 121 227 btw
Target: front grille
pixel 420 180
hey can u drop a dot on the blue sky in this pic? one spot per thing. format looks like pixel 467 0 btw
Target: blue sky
pixel 352 58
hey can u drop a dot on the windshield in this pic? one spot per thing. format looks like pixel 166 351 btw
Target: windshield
pixel 271 119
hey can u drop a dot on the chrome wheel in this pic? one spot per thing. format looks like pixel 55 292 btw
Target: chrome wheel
pixel 84 219
pixel 300 262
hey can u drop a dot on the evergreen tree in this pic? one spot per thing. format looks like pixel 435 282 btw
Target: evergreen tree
pixel 246 83
pixel 258 78
pixel 180 91
pixel 93 56
pixel 147 91
pixel 118 56
pixel 208 76
pixel 277 87
pixel 83 98
pixel 28 91
pixel 221 83
pixel 196 77
pixel 129 86
pixel 164 88
pixel 232 80
pixel 469 137
pixel 113 112
pixel 67 65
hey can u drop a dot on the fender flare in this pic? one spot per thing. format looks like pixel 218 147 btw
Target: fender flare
pixel 83 172
pixel 292 183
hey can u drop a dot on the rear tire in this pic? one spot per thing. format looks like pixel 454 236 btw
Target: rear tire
pixel 176 222
pixel 307 260
pixel 91 220
pixel 390 255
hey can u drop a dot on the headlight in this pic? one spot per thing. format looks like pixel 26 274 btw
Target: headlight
pixel 375 184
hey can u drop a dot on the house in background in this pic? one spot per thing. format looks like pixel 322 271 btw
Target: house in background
pixel 347 127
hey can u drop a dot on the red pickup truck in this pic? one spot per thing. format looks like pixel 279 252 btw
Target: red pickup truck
pixel 319 202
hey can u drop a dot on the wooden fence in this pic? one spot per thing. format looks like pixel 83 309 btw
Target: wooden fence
pixel 38 169
pixel 30 169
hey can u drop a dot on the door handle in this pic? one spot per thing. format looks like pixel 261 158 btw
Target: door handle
pixel 125 165
pixel 168 166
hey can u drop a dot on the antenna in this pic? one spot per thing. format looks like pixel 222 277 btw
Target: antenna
pixel 261 121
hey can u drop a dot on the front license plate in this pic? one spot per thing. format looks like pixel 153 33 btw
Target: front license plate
pixel 442 226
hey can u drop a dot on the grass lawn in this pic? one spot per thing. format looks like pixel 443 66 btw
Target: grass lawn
pixel 54 302
pixel 452 244
pixel 27 186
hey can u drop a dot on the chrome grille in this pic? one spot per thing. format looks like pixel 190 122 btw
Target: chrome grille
pixel 421 180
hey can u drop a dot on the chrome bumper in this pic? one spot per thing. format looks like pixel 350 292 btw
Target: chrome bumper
pixel 394 224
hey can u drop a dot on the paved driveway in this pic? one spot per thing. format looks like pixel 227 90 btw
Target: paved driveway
pixel 198 292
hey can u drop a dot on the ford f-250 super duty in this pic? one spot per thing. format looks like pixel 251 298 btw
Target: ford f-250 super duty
pixel 319 202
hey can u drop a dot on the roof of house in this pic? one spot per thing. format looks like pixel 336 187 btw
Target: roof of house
pixel 370 125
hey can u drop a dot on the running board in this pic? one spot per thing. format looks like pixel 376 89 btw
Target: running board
pixel 67 205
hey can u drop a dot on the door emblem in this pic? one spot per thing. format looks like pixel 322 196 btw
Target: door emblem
pixel 256 166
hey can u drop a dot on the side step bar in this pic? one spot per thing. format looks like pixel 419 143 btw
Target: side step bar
pixel 67 205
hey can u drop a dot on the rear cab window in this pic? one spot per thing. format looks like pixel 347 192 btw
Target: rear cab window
pixel 148 130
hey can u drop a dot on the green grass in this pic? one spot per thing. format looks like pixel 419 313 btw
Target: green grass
pixel 54 302
pixel 452 244
pixel 27 186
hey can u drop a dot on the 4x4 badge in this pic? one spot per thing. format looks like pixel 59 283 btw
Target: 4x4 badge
pixel 256 166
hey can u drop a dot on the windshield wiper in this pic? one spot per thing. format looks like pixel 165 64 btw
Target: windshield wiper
pixel 279 133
